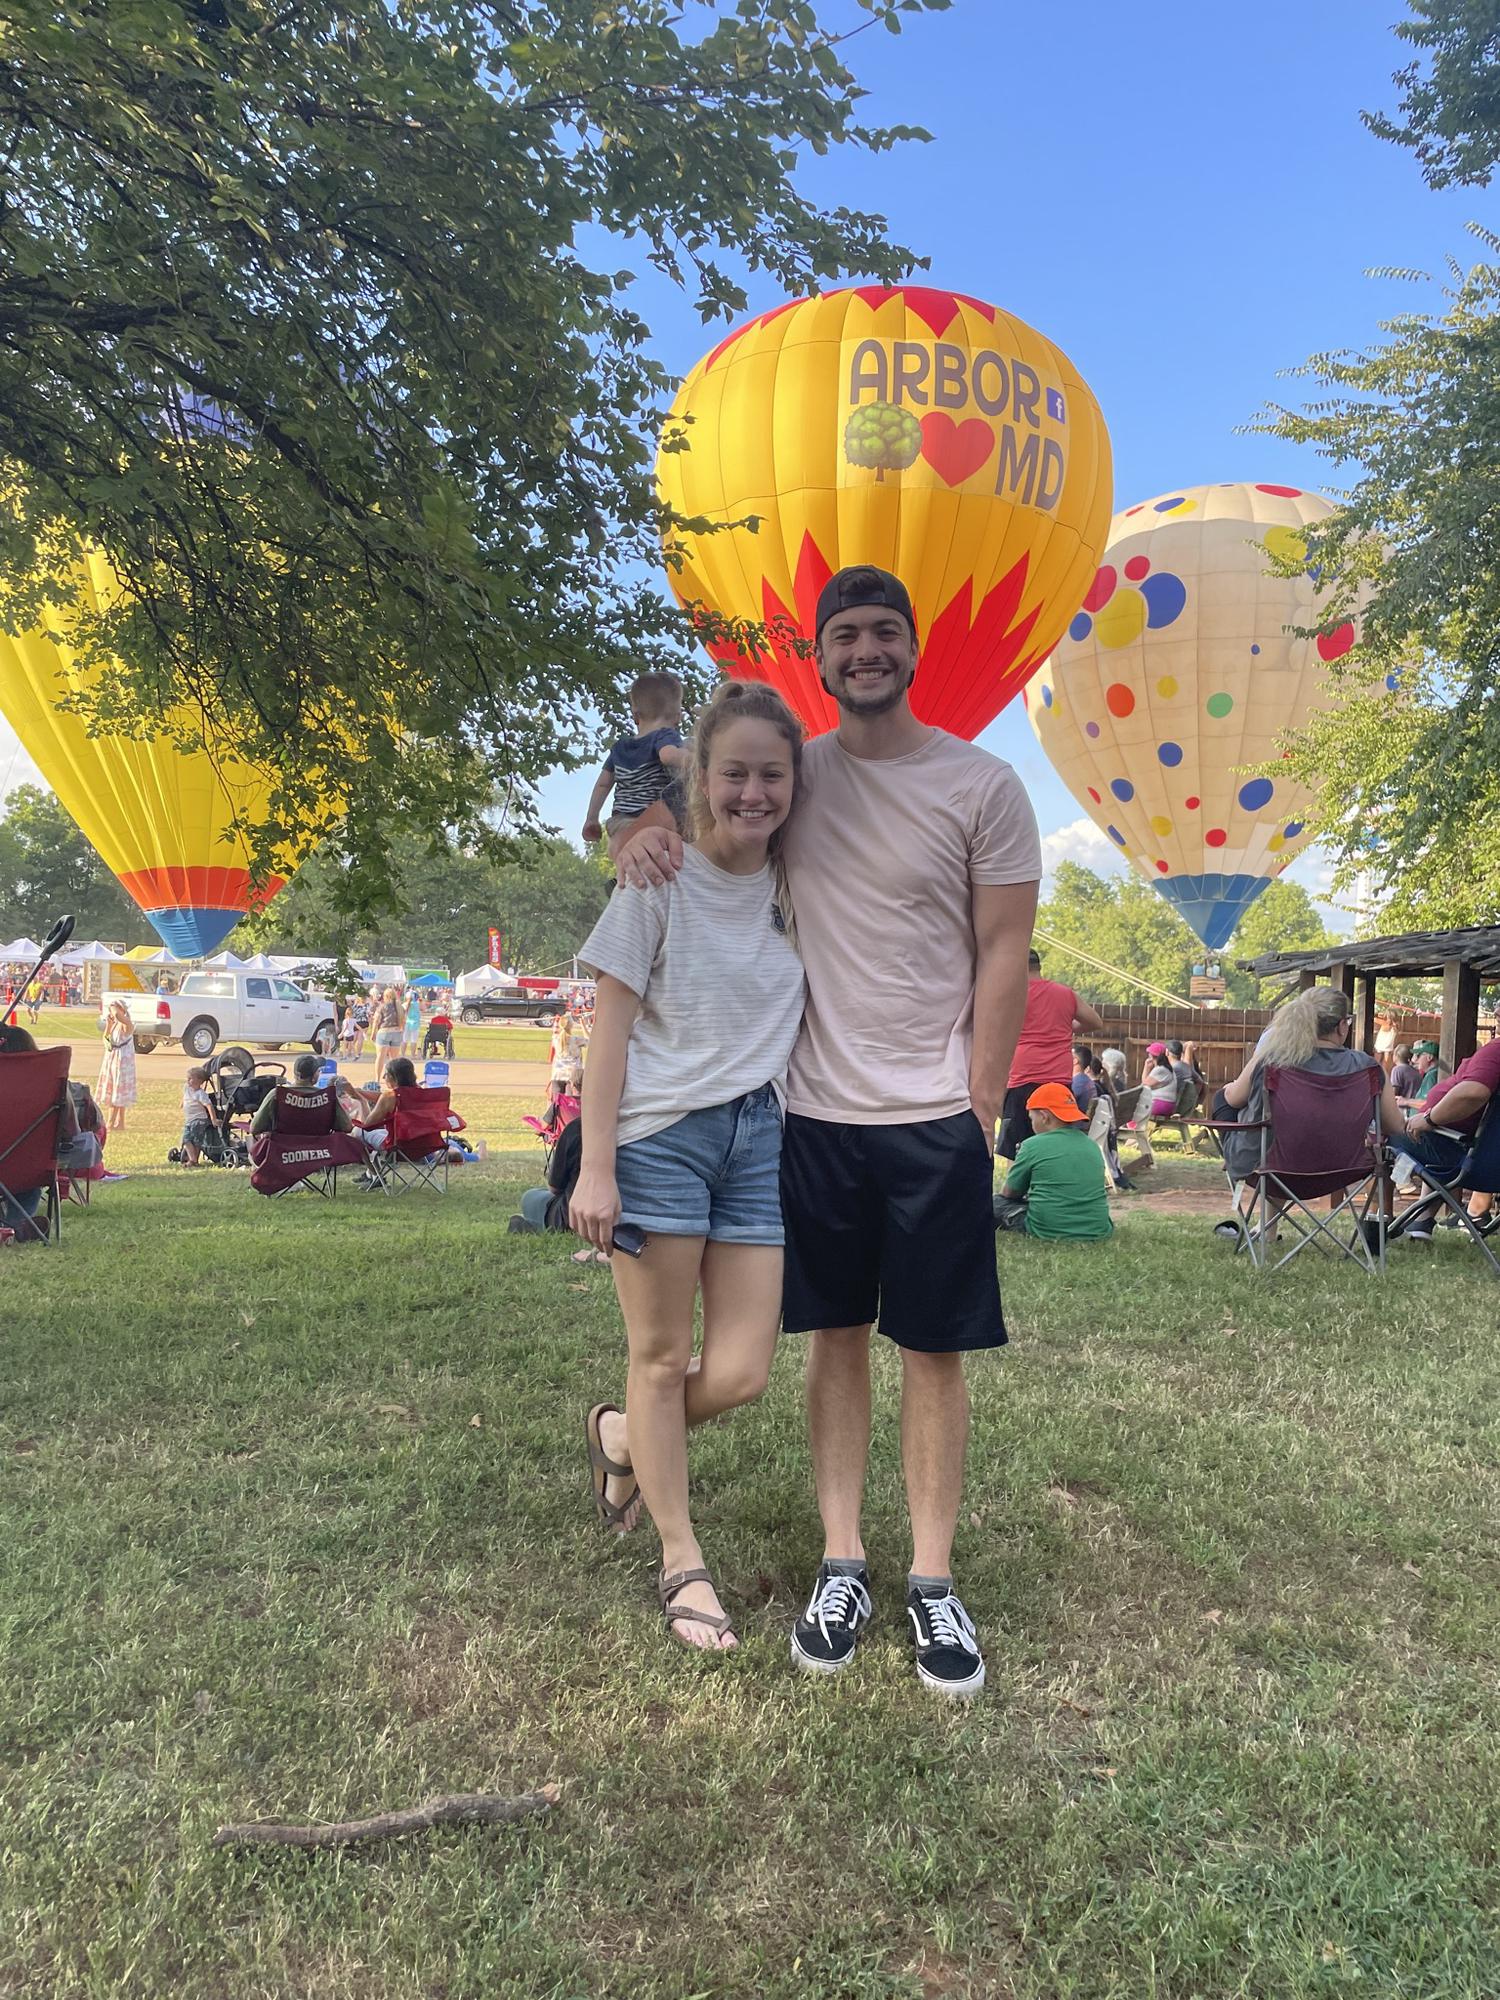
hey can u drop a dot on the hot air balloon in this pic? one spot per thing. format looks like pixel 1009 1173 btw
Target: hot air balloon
pixel 158 815
pixel 1182 667
pixel 919 430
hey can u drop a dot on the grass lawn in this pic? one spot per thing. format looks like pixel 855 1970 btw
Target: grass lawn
pixel 500 1043
pixel 295 1526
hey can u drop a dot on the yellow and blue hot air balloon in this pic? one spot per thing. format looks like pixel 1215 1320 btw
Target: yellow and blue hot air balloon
pixel 159 816
pixel 920 430
pixel 1182 667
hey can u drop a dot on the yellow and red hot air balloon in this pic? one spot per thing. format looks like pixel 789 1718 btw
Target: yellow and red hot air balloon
pixel 919 430
pixel 1182 667
pixel 159 816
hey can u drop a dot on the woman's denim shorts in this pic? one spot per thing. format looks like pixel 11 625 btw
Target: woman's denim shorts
pixel 715 1173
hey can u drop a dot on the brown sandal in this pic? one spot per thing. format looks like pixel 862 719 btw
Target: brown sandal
pixel 667 1588
pixel 602 1467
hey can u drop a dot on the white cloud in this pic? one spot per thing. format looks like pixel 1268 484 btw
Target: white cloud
pixel 1081 841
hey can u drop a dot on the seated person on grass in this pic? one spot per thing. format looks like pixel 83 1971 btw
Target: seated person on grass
pixel 1440 1131
pixel 304 1077
pixel 1056 1188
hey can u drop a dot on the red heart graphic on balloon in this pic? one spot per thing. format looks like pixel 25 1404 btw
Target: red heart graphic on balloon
pixel 955 450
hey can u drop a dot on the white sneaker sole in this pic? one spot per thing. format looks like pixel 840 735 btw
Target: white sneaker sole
pixel 955 1690
pixel 811 1666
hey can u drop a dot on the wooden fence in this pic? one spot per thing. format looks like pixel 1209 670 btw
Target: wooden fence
pixel 1223 1037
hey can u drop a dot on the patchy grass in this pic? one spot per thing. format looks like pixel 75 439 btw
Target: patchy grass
pixel 1230 1543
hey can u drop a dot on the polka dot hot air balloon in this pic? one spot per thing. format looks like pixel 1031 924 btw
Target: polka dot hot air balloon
pixel 1180 669
pixel 917 429
pixel 159 816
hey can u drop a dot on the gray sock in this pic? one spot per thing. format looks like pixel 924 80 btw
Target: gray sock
pixel 844 1565
pixel 930 1586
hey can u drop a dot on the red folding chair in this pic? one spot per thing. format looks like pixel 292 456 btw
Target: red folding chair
pixel 415 1153
pixel 1319 1141
pixel 304 1151
pixel 33 1102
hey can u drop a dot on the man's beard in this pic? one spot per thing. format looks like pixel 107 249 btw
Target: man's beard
pixel 872 703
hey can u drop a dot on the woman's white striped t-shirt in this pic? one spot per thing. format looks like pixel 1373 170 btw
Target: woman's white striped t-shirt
pixel 720 986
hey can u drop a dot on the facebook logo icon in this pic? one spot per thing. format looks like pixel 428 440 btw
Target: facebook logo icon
pixel 1057 410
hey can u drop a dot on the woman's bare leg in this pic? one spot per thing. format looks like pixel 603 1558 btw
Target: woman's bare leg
pixel 741 1318
pixel 656 1294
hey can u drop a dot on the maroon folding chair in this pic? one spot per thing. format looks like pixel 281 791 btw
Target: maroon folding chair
pixel 304 1151
pixel 415 1153
pixel 33 1102
pixel 1319 1141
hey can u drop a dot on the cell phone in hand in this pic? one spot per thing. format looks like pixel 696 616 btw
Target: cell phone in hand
pixel 629 1239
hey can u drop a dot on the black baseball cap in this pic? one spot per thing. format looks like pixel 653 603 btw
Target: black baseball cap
pixel 861 585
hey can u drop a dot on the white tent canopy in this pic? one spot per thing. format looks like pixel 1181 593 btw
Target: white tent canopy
pixel 260 962
pixel 91 954
pixel 22 947
pixel 223 961
pixel 484 979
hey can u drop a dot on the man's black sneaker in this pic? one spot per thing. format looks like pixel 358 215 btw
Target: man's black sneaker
pixel 825 1636
pixel 948 1657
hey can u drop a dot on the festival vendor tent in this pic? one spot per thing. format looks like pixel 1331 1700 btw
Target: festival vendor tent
pixel 484 979
pixel 223 961
pixel 19 948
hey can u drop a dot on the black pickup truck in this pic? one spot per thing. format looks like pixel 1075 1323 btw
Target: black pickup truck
pixel 539 1007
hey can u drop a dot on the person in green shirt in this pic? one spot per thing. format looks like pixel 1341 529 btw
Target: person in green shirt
pixel 1056 1186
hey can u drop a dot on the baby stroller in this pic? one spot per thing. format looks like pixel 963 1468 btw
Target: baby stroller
pixel 558 1116
pixel 240 1083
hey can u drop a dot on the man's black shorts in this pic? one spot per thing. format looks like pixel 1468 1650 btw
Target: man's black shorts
pixel 895 1224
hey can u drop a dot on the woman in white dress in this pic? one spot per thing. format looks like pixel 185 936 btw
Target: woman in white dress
pixel 116 1088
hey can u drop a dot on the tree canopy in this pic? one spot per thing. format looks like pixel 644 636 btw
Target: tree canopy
pixel 544 899
pixel 1123 922
pixel 1407 764
pixel 311 317
pixel 47 866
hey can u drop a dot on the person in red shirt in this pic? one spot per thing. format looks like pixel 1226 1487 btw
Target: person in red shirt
pixel 1440 1132
pixel 1044 1052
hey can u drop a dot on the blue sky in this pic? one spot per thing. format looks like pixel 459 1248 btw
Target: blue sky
pixel 1182 196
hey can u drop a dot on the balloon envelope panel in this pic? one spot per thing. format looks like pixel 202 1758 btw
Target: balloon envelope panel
pixel 919 430
pixel 158 816
pixel 1182 666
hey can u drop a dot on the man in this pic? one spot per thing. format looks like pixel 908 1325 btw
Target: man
pixel 1055 1189
pixel 914 865
pixel 304 1076
pixel 1424 1060
pixel 1439 1133
pixel 1054 1016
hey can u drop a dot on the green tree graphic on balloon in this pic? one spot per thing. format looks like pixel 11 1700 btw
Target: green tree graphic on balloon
pixel 882 437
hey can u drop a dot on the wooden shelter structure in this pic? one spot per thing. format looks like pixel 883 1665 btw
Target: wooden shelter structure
pixel 1464 960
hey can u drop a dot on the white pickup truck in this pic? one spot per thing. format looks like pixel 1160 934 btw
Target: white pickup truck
pixel 231 1006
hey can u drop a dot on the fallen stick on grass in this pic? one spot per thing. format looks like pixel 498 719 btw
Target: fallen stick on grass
pixel 468 1808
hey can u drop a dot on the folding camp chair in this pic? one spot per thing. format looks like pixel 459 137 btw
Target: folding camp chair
pixel 304 1151
pixel 415 1153
pixel 1189 1095
pixel 31 1121
pixel 1319 1141
pixel 1477 1173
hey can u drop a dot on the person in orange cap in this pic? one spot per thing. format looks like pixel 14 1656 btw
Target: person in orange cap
pixel 1056 1187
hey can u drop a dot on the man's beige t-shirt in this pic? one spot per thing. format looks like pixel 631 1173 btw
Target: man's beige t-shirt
pixel 882 855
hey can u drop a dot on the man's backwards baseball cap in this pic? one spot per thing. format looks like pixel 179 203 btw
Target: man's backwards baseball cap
pixel 1058 1099
pixel 852 589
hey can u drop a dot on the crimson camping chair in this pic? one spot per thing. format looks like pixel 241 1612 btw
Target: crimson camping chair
pixel 1478 1172
pixel 33 1098
pixel 415 1153
pixel 304 1151
pixel 1318 1141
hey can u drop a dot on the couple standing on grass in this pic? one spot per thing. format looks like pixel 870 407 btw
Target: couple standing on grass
pixel 809 1014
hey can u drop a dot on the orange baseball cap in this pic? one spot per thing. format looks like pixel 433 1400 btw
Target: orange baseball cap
pixel 1059 1100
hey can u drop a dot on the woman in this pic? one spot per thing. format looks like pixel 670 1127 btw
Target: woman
pixel 565 1078
pixel 411 1043
pixel 116 1088
pixel 1310 1031
pixel 699 1002
pixel 385 1025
